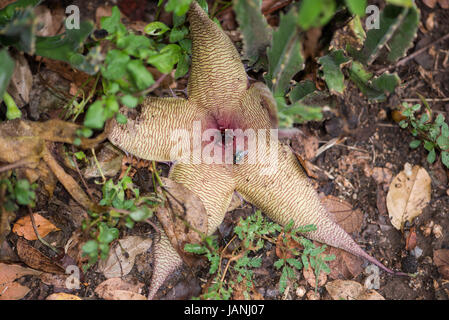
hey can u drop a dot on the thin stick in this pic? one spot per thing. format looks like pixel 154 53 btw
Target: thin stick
pixel 33 223
pixel 18 164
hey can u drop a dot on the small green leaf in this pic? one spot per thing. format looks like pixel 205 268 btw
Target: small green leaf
pixel 445 158
pixel 179 7
pixel 431 156
pixel 443 142
pixel 95 116
pixel 183 66
pixel 156 28
pixel 165 60
pixel 143 79
pixel 331 65
pixel 415 143
pixel 357 7
pixel 177 34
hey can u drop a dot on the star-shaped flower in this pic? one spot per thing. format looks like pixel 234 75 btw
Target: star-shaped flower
pixel 221 99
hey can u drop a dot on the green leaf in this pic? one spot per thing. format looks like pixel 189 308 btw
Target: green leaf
pixel 301 90
pixel 357 7
pixel 375 88
pixel 95 116
pixel 134 44
pixel 23 192
pixel 315 13
pixel 443 142
pixel 398 27
pixel 177 34
pixel 415 143
pixel 179 7
pixel 254 28
pixel 431 156
pixel 20 31
pixel 284 55
pixel 165 60
pixel 91 247
pixel 106 234
pixel 183 66
pixel 121 118
pixel 331 65
pixel 129 101
pixel 8 12
pixel 141 214
pixel 445 158
pixel 112 24
pixel 115 65
pixel 143 79
pixel 6 71
pixel 156 28
pixel 403 3
pixel 194 248
pixel 65 47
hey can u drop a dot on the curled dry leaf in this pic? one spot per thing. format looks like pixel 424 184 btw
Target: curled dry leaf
pixel 441 260
pixel 408 195
pixel 24 228
pixel 183 217
pixel 62 296
pixel 122 257
pixel 36 259
pixel 350 290
pixel 117 289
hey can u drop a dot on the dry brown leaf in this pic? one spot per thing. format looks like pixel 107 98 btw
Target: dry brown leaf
pixel 343 213
pixel 117 289
pixel 408 195
pixel 62 296
pixel 10 290
pixel 24 228
pixel 441 260
pixel 122 257
pixel 13 291
pixel 183 217
pixel 11 272
pixel 345 265
pixel 35 259
pixel 350 290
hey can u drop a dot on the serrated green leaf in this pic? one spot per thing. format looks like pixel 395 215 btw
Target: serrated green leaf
pixel 177 34
pixel 284 55
pixel 301 90
pixel 331 65
pixel 398 27
pixel 255 30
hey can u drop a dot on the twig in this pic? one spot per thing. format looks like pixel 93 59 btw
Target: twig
pixel 33 223
pixel 18 164
pixel 81 177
